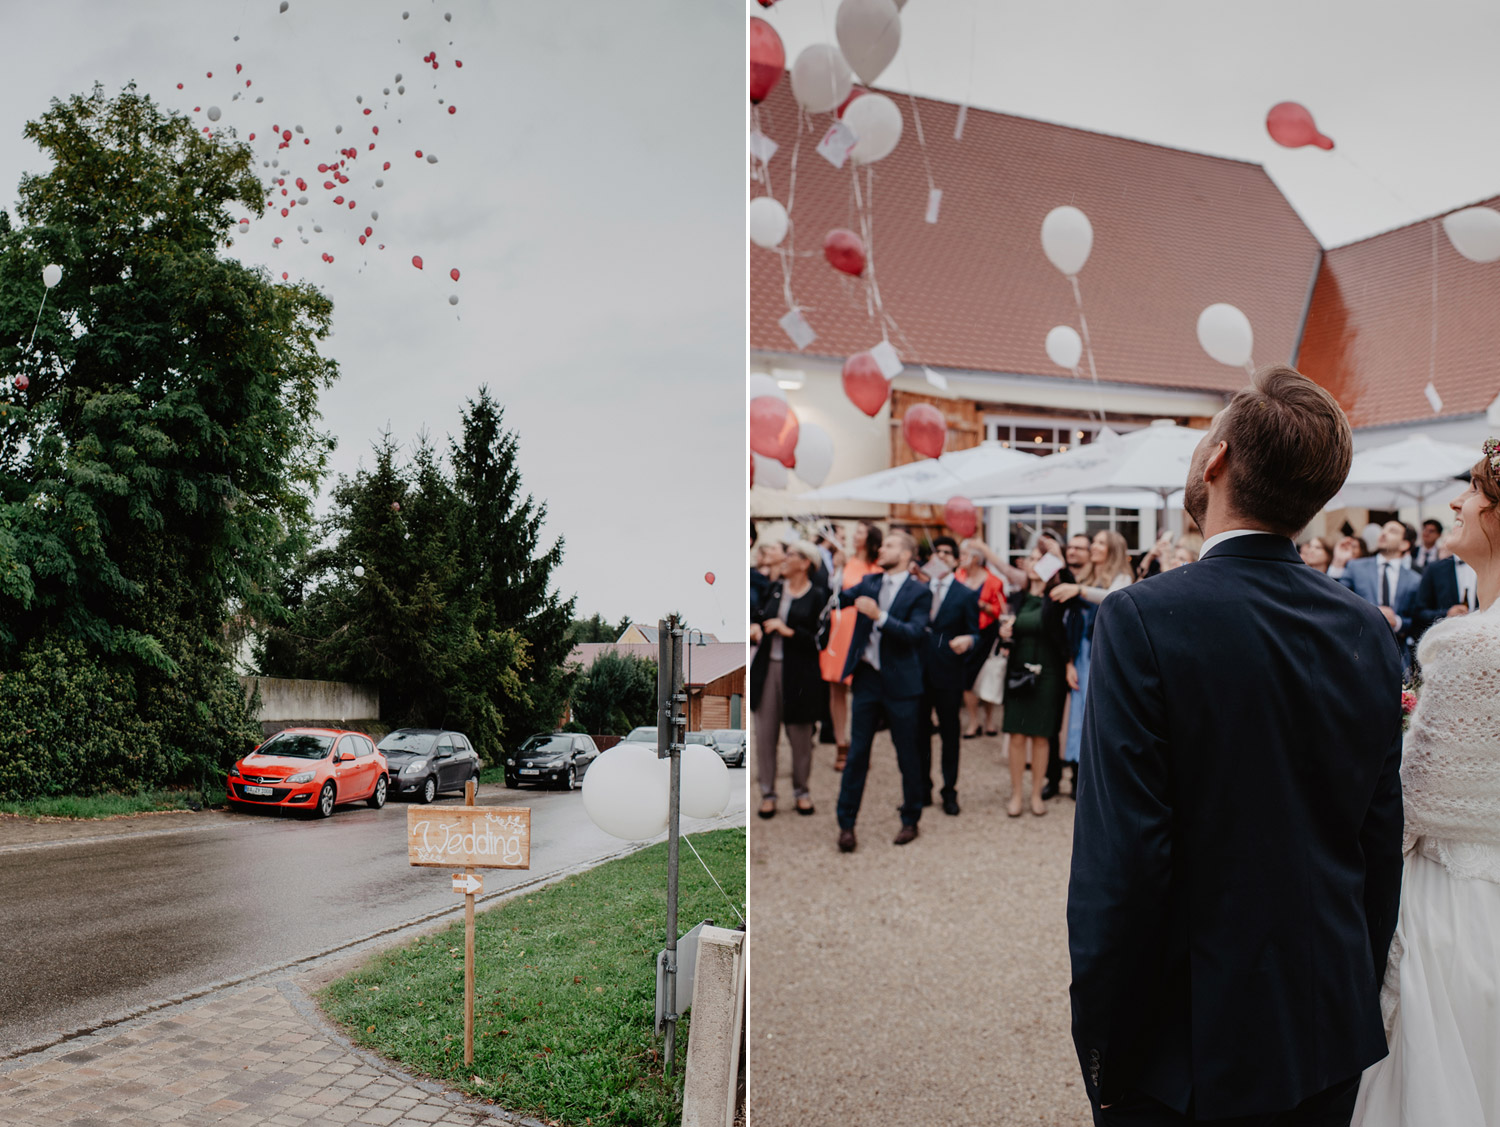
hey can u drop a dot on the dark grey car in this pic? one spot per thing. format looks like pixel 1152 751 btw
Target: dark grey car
pixel 559 759
pixel 730 744
pixel 424 762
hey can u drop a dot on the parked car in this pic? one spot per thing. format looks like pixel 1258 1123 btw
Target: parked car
pixel 645 735
pixel 551 758
pixel 427 761
pixel 730 744
pixel 311 769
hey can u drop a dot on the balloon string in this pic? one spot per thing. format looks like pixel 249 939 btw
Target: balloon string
pixel 1432 344
pixel 916 116
pixel 688 838
pixel 38 320
pixel 1088 344
pixel 1377 180
pixel 870 243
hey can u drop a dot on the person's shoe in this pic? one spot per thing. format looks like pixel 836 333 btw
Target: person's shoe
pixel 1049 790
pixel 927 799
pixel 1038 807
pixel 1013 808
pixel 974 735
pixel 808 809
pixel 846 841
pixel 767 808
pixel 841 757
pixel 907 835
pixel 950 804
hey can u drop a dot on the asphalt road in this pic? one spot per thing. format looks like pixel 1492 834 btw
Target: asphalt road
pixel 98 928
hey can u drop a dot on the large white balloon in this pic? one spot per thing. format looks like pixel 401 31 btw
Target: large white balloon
pixel 877 123
pixel 1064 347
pixel 768 222
pixel 869 32
pixel 214 113
pixel 768 473
pixel 821 79
pixel 1474 233
pixel 814 454
pixel 1225 334
pixel 762 384
pixel 624 793
pixel 51 275
pixel 705 782
pixel 1067 238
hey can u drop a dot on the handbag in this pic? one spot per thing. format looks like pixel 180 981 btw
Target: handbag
pixel 825 621
pixel 1022 680
pixel 989 686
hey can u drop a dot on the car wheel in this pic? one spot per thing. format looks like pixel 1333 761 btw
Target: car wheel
pixel 429 790
pixel 377 798
pixel 325 805
pixel 512 782
pixel 572 780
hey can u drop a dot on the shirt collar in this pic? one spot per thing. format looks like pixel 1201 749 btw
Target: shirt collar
pixel 1219 538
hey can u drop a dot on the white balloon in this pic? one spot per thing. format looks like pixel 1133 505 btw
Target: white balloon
pixel 244 226
pixel 1474 233
pixel 869 32
pixel 453 299
pixel 877 123
pixel 814 454
pixel 214 113
pixel 821 79
pixel 1064 347
pixel 762 384
pixel 768 222
pixel 625 794
pixel 51 275
pixel 1067 238
pixel 705 782
pixel 359 571
pixel 1225 334
pixel 768 473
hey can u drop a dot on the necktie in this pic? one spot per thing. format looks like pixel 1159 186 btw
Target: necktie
pixel 939 590
pixel 1385 585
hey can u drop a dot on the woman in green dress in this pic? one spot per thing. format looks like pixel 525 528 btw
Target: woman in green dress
pixel 1037 676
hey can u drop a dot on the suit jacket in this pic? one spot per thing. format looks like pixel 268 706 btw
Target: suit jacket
pixel 1236 866
pixel 1437 594
pixel 801 678
pixel 902 638
pixel 958 616
pixel 1363 578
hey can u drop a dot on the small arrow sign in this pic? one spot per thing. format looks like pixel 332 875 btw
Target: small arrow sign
pixel 467 884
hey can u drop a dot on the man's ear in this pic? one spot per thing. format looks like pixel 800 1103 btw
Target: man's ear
pixel 1217 462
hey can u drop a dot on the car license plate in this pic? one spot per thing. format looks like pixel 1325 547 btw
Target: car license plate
pixel 257 790
pixel 530 771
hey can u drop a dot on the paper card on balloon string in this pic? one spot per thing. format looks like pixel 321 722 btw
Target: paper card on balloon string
pixel 1048 566
pixel 934 201
pixel 762 148
pixel 1433 398
pixel 837 143
pixel 795 326
pixel 885 356
pixel 958 126
pixel 936 379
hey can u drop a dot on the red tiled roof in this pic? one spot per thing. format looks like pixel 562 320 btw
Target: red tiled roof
pixel 1369 334
pixel 706 663
pixel 1174 231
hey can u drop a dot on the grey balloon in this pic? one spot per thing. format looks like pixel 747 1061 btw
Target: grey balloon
pixel 214 113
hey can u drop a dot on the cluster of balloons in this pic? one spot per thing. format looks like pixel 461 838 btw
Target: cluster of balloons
pixel 625 791
pixel 811 450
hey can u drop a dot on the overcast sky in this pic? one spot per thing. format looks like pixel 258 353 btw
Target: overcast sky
pixel 589 188
pixel 1408 92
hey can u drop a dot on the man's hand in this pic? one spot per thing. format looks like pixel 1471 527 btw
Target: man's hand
pixel 1390 618
pixel 755 633
pixel 1343 552
pixel 1072 676
pixel 962 644
pixel 1007 630
pixel 1455 611
pixel 1065 591
pixel 867 606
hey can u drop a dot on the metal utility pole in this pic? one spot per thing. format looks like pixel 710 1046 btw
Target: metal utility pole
pixel 671 724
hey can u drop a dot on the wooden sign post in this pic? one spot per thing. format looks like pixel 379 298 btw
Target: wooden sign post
pixel 475 837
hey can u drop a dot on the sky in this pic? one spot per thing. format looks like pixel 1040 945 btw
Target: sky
pixel 589 189
pixel 1406 91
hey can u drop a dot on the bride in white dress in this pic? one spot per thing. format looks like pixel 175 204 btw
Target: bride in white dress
pixel 1442 984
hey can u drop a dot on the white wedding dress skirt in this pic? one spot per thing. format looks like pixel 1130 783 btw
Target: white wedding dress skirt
pixel 1444 1066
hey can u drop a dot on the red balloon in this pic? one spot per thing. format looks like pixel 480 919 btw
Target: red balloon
pixel 23 382
pixel 453 273
pixel 766 3
pixel 845 251
pixel 416 260
pixel 708 576
pixel 854 92
pixel 925 429
pixel 960 515
pixel 767 59
pixel 773 430
pixel 395 506
pixel 865 384
pixel 1292 126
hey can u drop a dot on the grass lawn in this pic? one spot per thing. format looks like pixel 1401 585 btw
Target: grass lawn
pixel 565 989
pixel 112 805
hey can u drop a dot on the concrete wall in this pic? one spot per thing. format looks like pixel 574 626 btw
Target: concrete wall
pixel 711 1088
pixel 282 698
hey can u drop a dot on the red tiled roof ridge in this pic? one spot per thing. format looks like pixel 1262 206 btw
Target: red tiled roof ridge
pixel 1417 222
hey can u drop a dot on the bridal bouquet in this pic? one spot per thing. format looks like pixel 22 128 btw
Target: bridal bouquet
pixel 1408 705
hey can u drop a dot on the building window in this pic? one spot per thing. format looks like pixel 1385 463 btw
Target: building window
pixel 1039 436
pixel 1127 522
pixel 1028 522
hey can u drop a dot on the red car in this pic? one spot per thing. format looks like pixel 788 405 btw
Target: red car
pixel 312 769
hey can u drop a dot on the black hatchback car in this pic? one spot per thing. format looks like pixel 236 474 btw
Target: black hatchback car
pixel 557 759
pixel 426 761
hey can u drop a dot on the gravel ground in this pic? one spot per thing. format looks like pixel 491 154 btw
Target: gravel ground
pixel 920 984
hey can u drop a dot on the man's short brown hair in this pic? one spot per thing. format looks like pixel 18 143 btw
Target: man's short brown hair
pixel 1289 449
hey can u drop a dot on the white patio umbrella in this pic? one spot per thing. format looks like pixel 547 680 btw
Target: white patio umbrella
pixel 929 481
pixel 1413 471
pixel 1154 459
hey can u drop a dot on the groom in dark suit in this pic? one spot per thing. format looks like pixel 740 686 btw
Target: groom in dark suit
pixel 952 631
pixel 885 660
pixel 1237 848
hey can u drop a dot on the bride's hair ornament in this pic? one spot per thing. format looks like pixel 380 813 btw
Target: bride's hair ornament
pixel 1492 452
